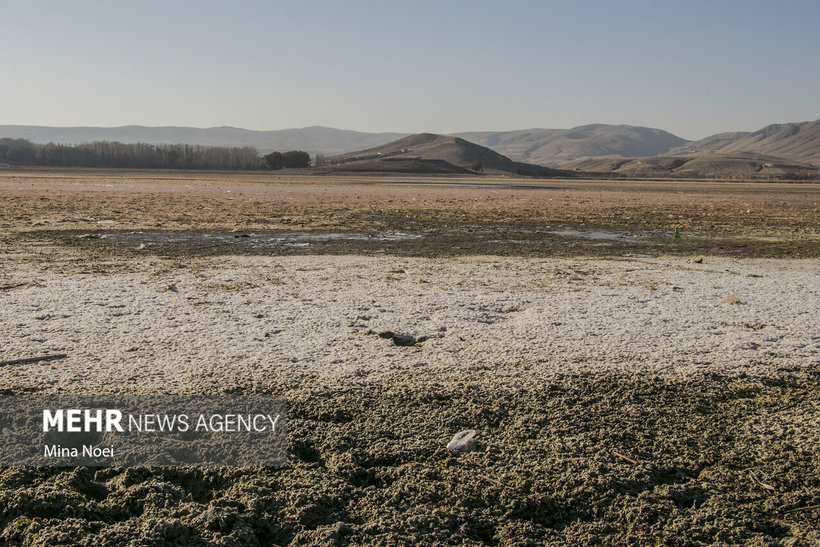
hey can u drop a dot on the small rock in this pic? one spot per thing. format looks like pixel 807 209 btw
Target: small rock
pixel 698 260
pixel 463 441
pixel 403 339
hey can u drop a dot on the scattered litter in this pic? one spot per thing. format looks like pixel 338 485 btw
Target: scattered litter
pixel 625 458
pixel 762 484
pixel 463 441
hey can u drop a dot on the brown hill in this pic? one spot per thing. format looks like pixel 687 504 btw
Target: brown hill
pixel 427 147
pixel 743 165
pixel 560 146
pixel 797 142
pixel 417 166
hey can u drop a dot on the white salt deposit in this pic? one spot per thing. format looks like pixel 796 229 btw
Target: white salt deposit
pixel 317 318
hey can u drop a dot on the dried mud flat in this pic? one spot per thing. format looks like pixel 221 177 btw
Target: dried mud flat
pixel 618 400
pixel 449 216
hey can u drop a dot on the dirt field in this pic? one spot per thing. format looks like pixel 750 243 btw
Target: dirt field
pixel 627 386
pixel 512 217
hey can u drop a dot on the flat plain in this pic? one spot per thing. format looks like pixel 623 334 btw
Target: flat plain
pixel 627 385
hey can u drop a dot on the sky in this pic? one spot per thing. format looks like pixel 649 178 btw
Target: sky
pixel 690 67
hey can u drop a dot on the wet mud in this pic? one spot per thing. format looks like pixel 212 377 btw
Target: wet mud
pixel 425 241
pixel 598 458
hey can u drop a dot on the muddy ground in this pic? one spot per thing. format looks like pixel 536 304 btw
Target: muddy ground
pixel 587 457
pixel 725 460
pixel 450 216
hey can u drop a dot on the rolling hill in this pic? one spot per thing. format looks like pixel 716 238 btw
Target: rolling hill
pixel 416 151
pixel 560 146
pixel 799 142
pixel 704 165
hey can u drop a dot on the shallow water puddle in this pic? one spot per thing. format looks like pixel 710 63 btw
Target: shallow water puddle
pixel 599 234
pixel 267 240
pixel 475 238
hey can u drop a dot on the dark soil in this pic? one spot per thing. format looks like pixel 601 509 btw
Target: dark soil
pixel 598 458
pixel 435 240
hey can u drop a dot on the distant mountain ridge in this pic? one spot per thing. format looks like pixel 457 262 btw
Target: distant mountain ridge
pixel 313 140
pixel 560 146
pixel 701 165
pixel 795 142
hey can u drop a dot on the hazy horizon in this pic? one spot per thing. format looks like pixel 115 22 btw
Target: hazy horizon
pixel 692 69
pixel 490 130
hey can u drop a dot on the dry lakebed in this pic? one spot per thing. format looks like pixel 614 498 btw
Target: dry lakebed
pixel 625 386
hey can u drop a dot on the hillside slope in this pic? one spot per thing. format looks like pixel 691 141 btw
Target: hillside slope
pixel 560 146
pixel 798 142
pixel 723 165
pixel 452 150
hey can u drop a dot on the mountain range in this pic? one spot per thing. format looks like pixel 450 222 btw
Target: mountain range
pixel 700 165
pixel 315 140
pixel 797 143
pixel 793 141
pixel 559 146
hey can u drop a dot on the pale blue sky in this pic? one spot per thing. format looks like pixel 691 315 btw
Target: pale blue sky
pixel 691 67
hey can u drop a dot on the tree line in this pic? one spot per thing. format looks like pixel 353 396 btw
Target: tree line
pixel 145 156
pixel 292 159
